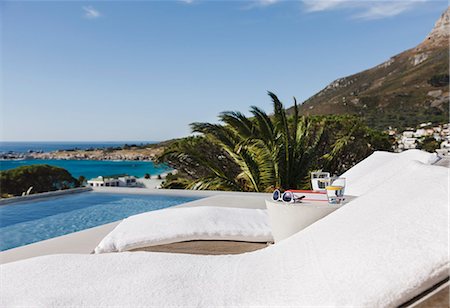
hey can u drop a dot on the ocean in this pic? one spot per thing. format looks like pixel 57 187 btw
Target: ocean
pixel 86 168
pixel 92 168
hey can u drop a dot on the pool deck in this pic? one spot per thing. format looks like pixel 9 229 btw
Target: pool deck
pixel 84 242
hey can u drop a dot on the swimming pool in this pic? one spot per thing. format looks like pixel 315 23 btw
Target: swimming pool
pixel 28 222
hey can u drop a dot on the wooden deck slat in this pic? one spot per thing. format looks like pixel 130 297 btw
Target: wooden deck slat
pixel 206 247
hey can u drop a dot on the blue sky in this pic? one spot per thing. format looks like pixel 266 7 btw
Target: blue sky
pixel 144 70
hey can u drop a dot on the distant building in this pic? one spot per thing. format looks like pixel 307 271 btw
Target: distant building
pixel 408 134
pixel 445 145
pixel 445 131
pixel 407 143
pixel 424 132
pixel 392 132
pixel 121 180
pixel 425 124
pixel 419 133
pixel 412 138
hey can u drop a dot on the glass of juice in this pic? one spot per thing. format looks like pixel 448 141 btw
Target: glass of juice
pixel 335 191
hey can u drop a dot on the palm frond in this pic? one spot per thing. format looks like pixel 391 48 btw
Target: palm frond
pixel 264 124
pixel 238 122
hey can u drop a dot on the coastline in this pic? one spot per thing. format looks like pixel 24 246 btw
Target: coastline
pixel 125 152
pixel 133 154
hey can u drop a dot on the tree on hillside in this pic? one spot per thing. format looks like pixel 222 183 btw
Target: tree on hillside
pixel 42 178
pixel 429 144
pixel 264 152
pixel 81 180
pixel 348 140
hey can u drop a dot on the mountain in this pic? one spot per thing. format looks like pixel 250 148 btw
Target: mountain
pixel 408 89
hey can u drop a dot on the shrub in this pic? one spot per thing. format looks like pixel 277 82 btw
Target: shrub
pixel 429 144
pixel 42 178
pixel 440 80
pixel 81 180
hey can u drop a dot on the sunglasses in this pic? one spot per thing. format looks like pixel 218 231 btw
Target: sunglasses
pixel 287 196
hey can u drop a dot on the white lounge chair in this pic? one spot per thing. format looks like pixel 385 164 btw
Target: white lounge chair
pixel 218 223
pixel 380 250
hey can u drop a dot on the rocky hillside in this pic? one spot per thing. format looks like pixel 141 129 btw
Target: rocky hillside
pixel 410 88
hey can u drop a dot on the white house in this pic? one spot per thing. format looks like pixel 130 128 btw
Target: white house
pixel 422 132
pixel 446 144
pixel 407 143
pixel 103 181
pixel 127 181
pixel 408 134
pixel 425 124
pixel 122 180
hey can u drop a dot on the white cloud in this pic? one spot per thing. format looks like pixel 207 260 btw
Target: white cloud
pixel 90 12
pixel 267 2
pixel 260 3
pixel 382 10
pixel 361 9
pixel 322 5
pixel 366 9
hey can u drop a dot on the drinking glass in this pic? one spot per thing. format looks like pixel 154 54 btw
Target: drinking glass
pixel 339 182
pixel 319 180
pixel 335 191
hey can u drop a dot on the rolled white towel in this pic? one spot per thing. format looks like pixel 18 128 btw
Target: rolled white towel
pixel 187 224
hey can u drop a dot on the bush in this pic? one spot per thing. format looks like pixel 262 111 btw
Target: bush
pixel 440 80
pixel 81 180
pixel 429 144
pixel 42 178
pixel 147 176
pixel 175 181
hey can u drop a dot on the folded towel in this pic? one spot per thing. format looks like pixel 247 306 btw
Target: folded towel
pixel 187 224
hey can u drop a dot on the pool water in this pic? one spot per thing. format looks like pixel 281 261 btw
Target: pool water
pixel 28 222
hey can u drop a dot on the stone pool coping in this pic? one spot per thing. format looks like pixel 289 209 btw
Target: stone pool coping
pixel 84 242
pixel 50 194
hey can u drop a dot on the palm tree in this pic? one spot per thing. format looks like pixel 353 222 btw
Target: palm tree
pixel 270 151
pixel 265 152
pixel 205 165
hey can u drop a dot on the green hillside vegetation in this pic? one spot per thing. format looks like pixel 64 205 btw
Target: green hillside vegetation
pixel 408 89
pixel 265 152
pixel 42 178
